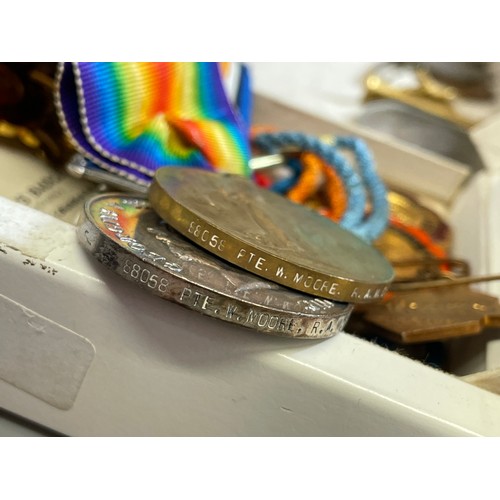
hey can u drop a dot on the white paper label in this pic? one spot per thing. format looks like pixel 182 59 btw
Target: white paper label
pixel 40 356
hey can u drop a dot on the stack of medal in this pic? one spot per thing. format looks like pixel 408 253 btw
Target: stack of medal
pixel 245 244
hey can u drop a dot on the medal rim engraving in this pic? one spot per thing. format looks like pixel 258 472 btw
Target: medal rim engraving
pixel 115 252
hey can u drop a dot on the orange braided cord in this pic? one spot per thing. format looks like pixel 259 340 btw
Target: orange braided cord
pixel 309 179
pixel 316 172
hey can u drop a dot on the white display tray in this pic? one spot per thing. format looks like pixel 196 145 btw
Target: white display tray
pixel 129 363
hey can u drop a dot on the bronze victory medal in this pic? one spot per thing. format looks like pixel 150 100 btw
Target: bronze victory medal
pixel 268 235
pixel 128 237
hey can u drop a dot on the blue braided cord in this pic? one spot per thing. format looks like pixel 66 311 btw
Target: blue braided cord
pixel 273 142
pixel 376 223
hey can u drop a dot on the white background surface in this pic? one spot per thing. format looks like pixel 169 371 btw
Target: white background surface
pixel 329 90
pixel 160 369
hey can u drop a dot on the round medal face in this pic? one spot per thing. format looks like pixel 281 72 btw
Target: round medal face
pixel 128 237
pixel 268 235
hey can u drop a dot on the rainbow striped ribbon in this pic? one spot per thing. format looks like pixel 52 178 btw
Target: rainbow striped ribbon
pixel 133 118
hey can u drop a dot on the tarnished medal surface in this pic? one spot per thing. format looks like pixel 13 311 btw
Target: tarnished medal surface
pixel 268 235
pixel 433 314
pixel 411 212
pixel 128 237
pixel 415 233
